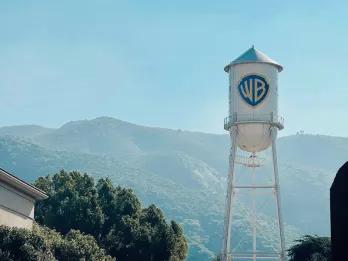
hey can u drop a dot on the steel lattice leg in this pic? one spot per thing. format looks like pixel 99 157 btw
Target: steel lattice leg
pixel 277 194
pixel 229 196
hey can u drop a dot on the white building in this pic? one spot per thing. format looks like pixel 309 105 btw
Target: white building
pixel 17 201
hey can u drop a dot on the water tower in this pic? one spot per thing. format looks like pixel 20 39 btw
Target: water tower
pixel 253 123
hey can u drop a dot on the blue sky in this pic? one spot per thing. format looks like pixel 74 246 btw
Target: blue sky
pixel 160 63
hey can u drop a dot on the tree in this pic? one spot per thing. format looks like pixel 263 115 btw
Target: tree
pixel 72 203
pixel 77 246
pixel 177 247
pixel 311 248
pixel 112 215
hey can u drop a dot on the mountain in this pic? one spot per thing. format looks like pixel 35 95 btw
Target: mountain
pixel 26 131
pixel 184 173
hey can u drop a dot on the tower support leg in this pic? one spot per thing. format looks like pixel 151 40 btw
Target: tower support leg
pixel 277 194
pixel 229 199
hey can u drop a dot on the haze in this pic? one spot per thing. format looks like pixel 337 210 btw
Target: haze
pixel 160 63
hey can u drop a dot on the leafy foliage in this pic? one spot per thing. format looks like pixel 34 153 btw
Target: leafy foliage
pixel 43 244
pixel 73 203
pixel 77 245
pixel 311 248
pixel 113 215
pixel 21 244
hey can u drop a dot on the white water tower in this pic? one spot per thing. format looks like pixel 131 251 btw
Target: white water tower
pixel 253 123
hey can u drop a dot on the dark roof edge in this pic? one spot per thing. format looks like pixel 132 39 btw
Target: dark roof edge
pixel 22 186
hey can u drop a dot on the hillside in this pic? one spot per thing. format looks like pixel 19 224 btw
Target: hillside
pixel 182 172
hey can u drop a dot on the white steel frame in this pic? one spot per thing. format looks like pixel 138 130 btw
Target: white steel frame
pixel 227 254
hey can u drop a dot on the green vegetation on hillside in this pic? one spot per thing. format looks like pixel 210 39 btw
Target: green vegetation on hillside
pixel 112 215
pixel 183 173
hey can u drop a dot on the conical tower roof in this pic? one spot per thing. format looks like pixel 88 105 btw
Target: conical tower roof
pixel 253 55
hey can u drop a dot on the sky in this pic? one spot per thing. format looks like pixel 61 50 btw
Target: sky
pixel 160 63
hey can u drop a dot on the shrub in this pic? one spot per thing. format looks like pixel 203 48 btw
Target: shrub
pixel 44 244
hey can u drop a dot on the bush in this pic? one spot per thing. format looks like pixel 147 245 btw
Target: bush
pixel 22 244
pixel 311 248
pixel 44 244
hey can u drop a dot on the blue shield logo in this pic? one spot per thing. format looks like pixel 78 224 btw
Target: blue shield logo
pixel 253 89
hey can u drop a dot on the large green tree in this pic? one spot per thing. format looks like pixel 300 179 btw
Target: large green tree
pixel 113 215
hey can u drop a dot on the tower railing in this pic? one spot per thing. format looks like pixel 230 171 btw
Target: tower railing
pixel 268 118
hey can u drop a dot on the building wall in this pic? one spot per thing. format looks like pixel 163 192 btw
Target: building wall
pixel 16 209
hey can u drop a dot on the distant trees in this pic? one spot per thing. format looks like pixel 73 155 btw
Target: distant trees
pixel 311 248
pixel 217 258
pixel 112 215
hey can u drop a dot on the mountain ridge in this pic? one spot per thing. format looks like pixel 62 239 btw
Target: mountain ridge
pixel 12 129
pixel 183 172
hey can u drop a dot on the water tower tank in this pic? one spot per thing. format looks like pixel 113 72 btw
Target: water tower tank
pixel 253 99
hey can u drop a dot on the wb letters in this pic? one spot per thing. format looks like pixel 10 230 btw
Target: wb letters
pixel 253 89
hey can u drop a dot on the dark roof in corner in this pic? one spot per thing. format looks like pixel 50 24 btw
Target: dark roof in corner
pixel 21 185
pixel 253 55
